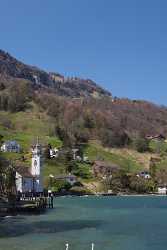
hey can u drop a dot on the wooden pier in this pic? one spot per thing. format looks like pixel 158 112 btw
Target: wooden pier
pixel 3 206
pixel 26 204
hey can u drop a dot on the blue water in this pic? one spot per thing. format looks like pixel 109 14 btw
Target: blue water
pixel 112 223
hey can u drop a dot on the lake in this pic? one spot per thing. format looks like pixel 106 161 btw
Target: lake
pixel 112 223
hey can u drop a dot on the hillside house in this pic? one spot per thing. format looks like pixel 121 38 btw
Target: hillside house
pixel 103 169
pixel 144 174
pixel 162 189
pixel 11 146
pixel 24 180
pixel 158 137
pixel 71 179
pixel 30 179
pixel 54 152
pixel 75 153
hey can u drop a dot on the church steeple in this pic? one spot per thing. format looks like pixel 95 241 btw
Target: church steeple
pixel 36 160
pixel 36 167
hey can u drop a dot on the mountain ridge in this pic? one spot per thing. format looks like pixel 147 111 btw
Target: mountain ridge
pixel 77 116
pixel 12 68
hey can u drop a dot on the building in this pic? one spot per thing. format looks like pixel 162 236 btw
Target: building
pixel 71 179
pixel 30 180
pixel 11 146
pixel 24 180
pixel 54 152
pixel 74 152
pixel 36 167
pixel 157 137
pixel 162 190
pixel 144 174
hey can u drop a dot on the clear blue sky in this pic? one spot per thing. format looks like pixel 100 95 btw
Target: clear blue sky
pixel 121 44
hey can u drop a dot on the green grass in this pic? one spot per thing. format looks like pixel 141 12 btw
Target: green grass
pixel 25 127
pixel 84 171
pixel 11 156
pixel 26 140
pixel 97 152
pixel 162 164
pixel 53 167
pixel 158 147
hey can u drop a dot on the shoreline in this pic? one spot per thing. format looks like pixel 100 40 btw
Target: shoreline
pixel 10 214
pixel 111 195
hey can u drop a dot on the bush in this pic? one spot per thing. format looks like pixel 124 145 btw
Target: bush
pixel 83 171
pixel 141 145
pixel 159 147
pixel 114 139
pixel 16 97
pixel 119 181
pixel 59 185
pixel 141 185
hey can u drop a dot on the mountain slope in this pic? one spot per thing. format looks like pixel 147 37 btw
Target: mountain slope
pixel 77 116
pixel 12 69
pixel 63 112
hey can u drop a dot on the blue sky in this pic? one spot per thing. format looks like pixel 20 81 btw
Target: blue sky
pixel 121 44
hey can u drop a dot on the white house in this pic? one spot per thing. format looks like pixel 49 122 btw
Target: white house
pixel 54 152
pixel 30 180
pixel 71 179
pixel 24 180
pixel 162 190
pixel 144 174
pixel 74 151
pixel 10 146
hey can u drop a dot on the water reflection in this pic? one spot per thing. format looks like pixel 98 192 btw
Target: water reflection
pixel 13 228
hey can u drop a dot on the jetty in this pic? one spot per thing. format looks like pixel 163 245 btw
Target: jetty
pixel 25 205
pixel 3 206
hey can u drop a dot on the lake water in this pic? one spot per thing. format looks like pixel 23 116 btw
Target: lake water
pixel 112 223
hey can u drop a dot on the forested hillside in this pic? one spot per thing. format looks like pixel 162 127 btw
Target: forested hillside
pixel 94 114
pixel 73 112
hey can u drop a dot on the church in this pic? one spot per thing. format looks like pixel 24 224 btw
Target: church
pixel 30 180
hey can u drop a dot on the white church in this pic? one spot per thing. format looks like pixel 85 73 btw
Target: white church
pixel 30 180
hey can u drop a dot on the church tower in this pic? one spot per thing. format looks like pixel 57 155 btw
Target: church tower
pixel 36 167
pixel 36 161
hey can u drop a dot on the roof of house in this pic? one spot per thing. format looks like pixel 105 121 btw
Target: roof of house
pixel 14 143
pixel 157 136
pixel 23 171
pixel 144 172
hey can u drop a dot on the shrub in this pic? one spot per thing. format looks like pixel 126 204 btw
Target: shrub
pixel 141 145
pixel 114 139
pixel 159 147
pixel 59 185
pixel 141 185
pixel 83 171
